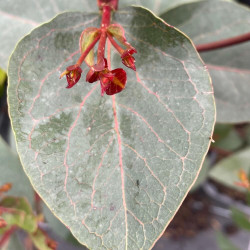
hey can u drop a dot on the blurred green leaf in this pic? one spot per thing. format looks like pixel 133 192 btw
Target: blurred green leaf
pixel 240 219
pixel 39 240
pixel 226 138
pixel 224 243
pixel 227 170
pixel 19 213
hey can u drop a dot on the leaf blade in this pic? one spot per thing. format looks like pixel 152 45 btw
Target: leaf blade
pixel 93 156
pixel 210 21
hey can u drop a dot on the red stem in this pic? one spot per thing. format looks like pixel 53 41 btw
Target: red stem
pixel 86 52
pixel 113 4
pixel 223 43
pixel 106 14
pixel 118 48
pixel 7 235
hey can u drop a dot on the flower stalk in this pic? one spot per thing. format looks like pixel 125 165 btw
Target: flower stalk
pixel 111 81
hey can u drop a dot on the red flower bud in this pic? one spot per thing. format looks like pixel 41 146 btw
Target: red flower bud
pixel 73 75
pixel 127 59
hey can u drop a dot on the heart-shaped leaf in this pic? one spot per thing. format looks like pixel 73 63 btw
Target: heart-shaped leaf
pixel 113 169
pixel 210 21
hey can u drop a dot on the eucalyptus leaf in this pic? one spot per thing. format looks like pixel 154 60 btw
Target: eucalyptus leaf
pixel 17 18
pixel 210 21
pixel 227 138
pixel 227 171
pixel 157 6
pixel 113 169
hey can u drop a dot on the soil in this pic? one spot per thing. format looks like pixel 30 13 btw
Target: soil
pixel 194 214
pixel 234 194
pixel 192 217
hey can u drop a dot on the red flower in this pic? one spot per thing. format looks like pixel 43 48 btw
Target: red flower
pixel 112 82
pixel 73 75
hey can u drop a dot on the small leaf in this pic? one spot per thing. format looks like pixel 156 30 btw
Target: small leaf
pixel 40 240
pixel 226 138
pixel 87 37
pixel 210 21
pixel 113 169
pixel 241 220
pixel 227 170
pixel 224 242
pixel 18 213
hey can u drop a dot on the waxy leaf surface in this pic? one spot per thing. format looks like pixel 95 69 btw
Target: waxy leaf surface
pixel 114 169
pixel 17 18
pixel 210 21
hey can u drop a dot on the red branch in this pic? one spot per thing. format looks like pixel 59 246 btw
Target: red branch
pixel 223 43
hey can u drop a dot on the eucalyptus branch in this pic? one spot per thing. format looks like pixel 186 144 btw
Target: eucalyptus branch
pixel 223 43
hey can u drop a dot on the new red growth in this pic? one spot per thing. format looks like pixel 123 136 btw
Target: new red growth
pixel 111 81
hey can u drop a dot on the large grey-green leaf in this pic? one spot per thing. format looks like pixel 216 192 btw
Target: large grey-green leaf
pixel 113 169
pixel 227 170
pixel 157 6
pixel 17 18
pixel 209 21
